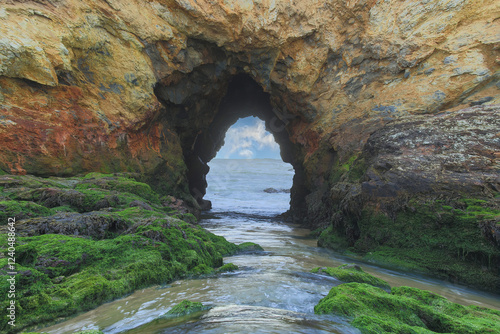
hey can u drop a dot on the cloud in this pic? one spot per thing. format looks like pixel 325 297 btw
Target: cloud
pixel 243 139
pixel 246 153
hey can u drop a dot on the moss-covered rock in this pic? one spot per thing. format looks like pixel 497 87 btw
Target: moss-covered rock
pixel 184 308
pixel 249 247
pixel 32 182
pixel 405 310
pixel 97 225
pixel 59 275
pixel 69 262
pixel 352 273
pixel 419 194
pixel 117 183
pixel 21 210
pixel 93 192
pixel 457 240
pixel 227 267
pixel 81 200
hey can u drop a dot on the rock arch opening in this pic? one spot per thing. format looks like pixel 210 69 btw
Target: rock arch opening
pixel 247 175
pixel 228 99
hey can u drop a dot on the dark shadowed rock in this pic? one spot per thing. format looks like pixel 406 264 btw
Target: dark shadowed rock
pixel 275 191
pixel 97 225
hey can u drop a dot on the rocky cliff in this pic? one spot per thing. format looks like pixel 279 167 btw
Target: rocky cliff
pixel 354 92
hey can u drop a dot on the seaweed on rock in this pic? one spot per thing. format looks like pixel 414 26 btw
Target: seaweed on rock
pixel 405 310
pixel 352 273
pixel 69 262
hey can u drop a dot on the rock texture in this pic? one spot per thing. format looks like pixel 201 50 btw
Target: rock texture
pixel 441 154
pixel 425 191
pixel 82 81
pixel 71 258
pixel 151 87
pixel 450 154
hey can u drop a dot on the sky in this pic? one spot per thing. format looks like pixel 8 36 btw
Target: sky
pixel 248 139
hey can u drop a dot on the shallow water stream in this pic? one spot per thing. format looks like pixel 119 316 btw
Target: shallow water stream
pixel 273 291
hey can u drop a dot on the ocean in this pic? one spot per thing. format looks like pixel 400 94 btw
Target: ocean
pixel 237 185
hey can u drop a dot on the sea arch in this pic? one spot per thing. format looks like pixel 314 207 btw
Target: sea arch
pixel 238 97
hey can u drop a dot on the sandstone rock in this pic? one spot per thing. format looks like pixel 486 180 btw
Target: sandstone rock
pixel 449 152
pixel 353 93
pixel 93 71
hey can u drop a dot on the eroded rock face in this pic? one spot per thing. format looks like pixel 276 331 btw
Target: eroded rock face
pixel 423 194
pixel 78 77
pixel 152 86
pixel 450 155
pixel 454 152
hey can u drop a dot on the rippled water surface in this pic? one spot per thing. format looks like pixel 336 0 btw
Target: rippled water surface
pixel 273 291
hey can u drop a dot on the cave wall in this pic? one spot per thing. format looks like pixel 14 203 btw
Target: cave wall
pixel 134 86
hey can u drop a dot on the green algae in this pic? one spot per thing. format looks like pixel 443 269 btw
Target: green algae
pixel 187 217
pixel 405 310
pixel 117 183
pixel 93 192
pixel 31 182
pixel 352 273
pixel 351 169
pixel 184 308
pixel 227 268
pixel 202 270
pixel 445 239
pixel 62 208
pixel 60 275
pixel 134 214
pixel 91 272
pixel 21 210
pixel 330 238
pixel 247 247
pixel 96 175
